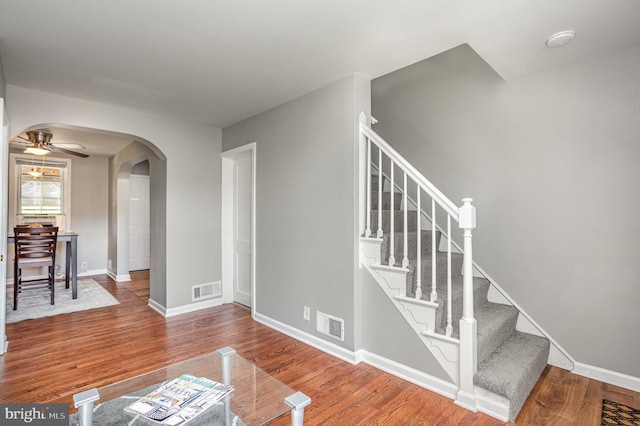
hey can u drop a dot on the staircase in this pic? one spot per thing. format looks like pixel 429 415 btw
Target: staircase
pixel 508 362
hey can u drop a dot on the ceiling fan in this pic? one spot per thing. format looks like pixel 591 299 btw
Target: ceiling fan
pixel 39 143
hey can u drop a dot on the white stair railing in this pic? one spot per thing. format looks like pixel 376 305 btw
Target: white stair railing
pixel 386 163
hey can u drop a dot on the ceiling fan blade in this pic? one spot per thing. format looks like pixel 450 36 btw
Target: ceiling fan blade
pixel 23 139
pixel 68 151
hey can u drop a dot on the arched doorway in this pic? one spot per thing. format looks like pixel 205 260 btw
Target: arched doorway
pixel 97 214
pixel 122 166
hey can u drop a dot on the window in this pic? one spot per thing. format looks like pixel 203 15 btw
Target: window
pixel 41 189
pixel 41 185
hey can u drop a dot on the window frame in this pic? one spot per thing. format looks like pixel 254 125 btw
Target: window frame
pixel 15 182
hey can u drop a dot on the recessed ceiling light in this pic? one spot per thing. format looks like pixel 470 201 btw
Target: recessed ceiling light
pixel 560 39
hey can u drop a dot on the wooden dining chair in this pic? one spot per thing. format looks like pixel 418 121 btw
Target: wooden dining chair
pixel 34 247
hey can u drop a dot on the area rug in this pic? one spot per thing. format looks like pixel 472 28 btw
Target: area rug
pixel 113 413
pixel 614 413
pixel 91 295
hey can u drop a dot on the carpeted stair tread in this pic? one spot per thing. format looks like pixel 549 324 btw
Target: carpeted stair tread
pixel 386 200
pixel 514 368
pixel 496 323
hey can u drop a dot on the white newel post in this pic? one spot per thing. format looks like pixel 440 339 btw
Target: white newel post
pixel 468 326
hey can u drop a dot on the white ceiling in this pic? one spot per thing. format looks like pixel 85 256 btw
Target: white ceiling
pixel 217 62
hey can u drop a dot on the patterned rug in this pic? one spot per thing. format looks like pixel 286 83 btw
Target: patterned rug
pixel 614 413
pixel 91 295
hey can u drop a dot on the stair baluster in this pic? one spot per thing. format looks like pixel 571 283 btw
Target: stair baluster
pixel 434 292
pixel 449 329
pixel 419 247
pixel 392 231
pixel 379 234
pixel 367 231
pixel 405 259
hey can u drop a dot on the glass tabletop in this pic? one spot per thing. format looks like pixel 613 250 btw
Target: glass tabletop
pixel 257 397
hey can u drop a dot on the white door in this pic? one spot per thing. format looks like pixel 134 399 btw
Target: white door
pixel 139 242
pixel 242 232
pixel 4 200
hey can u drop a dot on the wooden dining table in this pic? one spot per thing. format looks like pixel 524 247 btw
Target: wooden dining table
pixel 71 261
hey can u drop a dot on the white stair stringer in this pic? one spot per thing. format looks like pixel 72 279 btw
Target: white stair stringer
pixel 370 250
pixel 446 350
pixel 419 314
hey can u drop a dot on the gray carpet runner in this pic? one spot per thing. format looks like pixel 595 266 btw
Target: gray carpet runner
pixel 510 362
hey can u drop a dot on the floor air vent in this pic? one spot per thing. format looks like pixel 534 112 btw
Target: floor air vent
pixel 206 291
pixel 330 326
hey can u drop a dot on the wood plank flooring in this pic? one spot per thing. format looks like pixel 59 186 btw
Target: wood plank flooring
pixel 139 284
pixel 53 358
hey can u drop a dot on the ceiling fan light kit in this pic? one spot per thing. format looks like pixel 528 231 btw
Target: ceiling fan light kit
pixel 36 150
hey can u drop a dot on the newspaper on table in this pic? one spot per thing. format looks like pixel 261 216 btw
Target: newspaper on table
pixel 179 400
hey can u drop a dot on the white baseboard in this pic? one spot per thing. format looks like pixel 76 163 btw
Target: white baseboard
pixel 157 307
pixel 92 272
pixel 192 307
pixel 309 339
pixel 434 384
pixel 607 376
pixel 404 372
pixel 119 278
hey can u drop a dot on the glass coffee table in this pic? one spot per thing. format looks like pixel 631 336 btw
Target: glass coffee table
pixel 257 397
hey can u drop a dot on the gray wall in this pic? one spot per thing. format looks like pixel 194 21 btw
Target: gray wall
pixel 305 234
pixel 3 82
pixel 552 160
pixel 89 186
pixel 121 166
pixel 190 181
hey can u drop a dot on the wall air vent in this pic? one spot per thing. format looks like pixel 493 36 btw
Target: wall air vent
pixel 206 291
pixel 330 326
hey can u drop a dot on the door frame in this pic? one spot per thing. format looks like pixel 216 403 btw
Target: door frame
pixel 147 213
pixel 4 201
pixel 228 221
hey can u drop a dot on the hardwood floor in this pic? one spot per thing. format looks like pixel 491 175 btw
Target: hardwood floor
pixel 139 284
pixel 52 358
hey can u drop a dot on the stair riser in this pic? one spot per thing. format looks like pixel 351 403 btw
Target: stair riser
pixel 426 242
pixel 479 297
pixel 513 370
pixel 374 183
pixel 386 200
pixel 441 272
pixel 489 342
pixel 398 221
